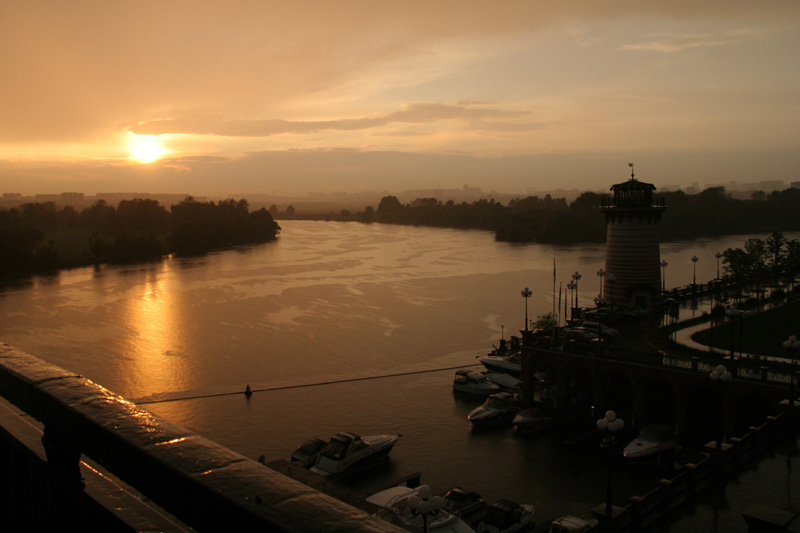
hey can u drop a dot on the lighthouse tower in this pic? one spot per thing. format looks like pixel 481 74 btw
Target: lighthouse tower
pixel 632 244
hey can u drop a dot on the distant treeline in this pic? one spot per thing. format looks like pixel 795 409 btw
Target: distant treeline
pixel 710 213
pixel 38 237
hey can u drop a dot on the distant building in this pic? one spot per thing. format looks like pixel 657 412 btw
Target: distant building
pixel 633 255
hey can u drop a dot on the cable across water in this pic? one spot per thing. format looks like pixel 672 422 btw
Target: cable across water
pixel 145 400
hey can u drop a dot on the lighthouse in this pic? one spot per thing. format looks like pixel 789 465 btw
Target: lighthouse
pixel 632 244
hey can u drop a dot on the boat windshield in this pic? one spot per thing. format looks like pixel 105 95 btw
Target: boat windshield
pixel 496 403
pixel 335 449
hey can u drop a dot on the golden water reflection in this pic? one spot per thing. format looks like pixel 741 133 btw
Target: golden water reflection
pixel 155 350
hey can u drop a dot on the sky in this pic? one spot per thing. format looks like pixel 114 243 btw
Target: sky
pixel 274 97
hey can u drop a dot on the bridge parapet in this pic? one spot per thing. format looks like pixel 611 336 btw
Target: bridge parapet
pixel 207 486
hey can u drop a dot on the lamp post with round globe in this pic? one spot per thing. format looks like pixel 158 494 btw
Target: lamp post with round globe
pixel 695 259
pixel 526 293
pixel 718 255
pixel 664 275
pixel 424 505
pixel 609 424
pixel 722 376
pixel 573 289
pixel 576 277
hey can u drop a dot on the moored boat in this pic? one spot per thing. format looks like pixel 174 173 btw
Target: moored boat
pixel 498 410
pixel 508 364
pixel 532 419
pixel 347 452
pixel 401 505
pixel 506 382
pixel 473 383
pixel 571 524
pixel 653 443
pixel 507 516
pixel 467 504
pixel 309 450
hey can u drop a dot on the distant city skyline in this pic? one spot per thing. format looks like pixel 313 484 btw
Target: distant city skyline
pixel 239 98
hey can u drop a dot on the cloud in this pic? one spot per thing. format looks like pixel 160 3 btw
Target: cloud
pixel 688 42
pixel 211 124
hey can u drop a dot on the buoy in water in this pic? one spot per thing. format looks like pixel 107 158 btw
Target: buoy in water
pixel 247 391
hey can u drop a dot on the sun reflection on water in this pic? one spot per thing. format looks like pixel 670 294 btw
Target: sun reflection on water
pixel 156 349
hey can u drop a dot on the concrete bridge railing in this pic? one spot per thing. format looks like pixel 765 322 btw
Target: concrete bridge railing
pixel 207 486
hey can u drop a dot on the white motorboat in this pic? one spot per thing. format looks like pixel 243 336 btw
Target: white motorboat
pixel 508 364
pixel 505 359
pixel 474 383
pixel 532 419
pixel 654 441
pixel 399 505
pixel 498 410
pixel 506 516
pixel 571 524
pixel 347 451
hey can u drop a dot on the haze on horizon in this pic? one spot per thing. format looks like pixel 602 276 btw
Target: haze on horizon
pixel 288 98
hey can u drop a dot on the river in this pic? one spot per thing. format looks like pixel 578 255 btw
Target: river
pixel 330 302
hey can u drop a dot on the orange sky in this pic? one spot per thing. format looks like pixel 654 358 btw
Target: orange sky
pixel 291 97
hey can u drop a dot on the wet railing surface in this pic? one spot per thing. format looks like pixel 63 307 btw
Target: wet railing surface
pixel 203 484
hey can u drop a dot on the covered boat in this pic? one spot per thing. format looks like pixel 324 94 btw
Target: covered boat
pixel 473 383
pixel 347 451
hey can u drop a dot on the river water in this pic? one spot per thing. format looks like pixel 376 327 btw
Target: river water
pixel 331 302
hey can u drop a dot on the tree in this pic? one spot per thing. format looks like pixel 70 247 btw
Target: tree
pixel 544 322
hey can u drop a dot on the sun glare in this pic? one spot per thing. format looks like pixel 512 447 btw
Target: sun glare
pixel 146 149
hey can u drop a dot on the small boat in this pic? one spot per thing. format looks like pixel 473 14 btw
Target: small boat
pixel 346 452
pixel 506 516
pixel 466 504
pixel 309 450
pixel 506 382
pixel 474 383
pixel 532 419
pixel 506 364
pixel 655 441
pixel 571 524
pixel 498 410
pixel 505 359
pixel 396 508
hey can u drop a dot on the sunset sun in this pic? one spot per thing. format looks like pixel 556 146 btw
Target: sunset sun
pixel 145 149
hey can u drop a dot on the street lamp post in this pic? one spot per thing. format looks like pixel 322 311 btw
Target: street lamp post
pixel 526 293
pixel 792 345
pixel 576 278
pixel 573 287
pixel 718 255
pixel 721 375
pixel 695 259
pixel 600 274
pixel 424 505
pixel 664 275
pixel 610 424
